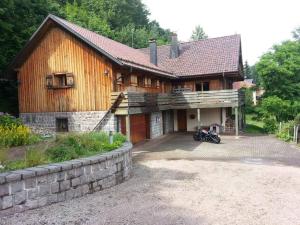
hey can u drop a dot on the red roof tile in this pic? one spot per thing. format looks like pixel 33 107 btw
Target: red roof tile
pixel 208 56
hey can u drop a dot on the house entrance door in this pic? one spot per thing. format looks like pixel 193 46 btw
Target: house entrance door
pixel 181 120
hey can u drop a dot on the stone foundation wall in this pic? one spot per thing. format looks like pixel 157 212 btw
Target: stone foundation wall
pixel 169 121
pixel 43 185
pixel 77 121
pixel 156 124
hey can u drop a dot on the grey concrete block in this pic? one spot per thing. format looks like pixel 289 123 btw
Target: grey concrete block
pixel 19 197
pixel 52 198
pixel 7 202
pixel 75 182
pixel 42 180
pixel 30 183
pixel 42 201
pixel 54 187
pixel 61 176
pixel 44 189
pixel 27 174
pixel 13 177
pixel 4 189
pixel 70 174
pixel 64 185
pixel 87 169
pixel 16 186
pixel 31 204
pixel 32 193
pixel 79 171
pixel 3 177
pixel 39 171
pixel 70 194
pixel 61 196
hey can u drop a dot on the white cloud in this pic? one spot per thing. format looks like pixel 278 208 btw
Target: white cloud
pixel 261 23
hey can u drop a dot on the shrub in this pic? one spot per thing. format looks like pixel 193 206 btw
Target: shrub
pixel 297 119
pixel 270 124
pixel 286 132
pixel 14 133
pixel 72 146
pixel 34 157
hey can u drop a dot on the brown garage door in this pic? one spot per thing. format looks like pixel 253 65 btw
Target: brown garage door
pixel 139 127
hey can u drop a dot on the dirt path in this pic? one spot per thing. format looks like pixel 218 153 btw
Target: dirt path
pixel 185 191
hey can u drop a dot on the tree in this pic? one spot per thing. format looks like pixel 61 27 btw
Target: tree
pixel 296 33
pixel 279 71
pixel 247 70
pixel 18 20
pixel 198 34
pixel 115 19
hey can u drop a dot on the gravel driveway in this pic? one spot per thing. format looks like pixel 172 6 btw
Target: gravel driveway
pixel 251 180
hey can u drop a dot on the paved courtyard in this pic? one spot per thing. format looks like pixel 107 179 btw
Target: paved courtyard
pixel 251 180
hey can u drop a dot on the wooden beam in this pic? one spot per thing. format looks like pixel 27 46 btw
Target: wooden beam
pixel 199 118
pixel 236 121
pixel 128 128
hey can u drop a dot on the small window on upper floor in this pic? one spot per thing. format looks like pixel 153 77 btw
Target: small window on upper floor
pixel 60 80
pixel 154 83
pixel 141 81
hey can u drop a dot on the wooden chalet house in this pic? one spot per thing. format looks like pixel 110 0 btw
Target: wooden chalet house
pixel 72 79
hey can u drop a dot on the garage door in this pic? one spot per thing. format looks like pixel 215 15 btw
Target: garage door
pixel 139 127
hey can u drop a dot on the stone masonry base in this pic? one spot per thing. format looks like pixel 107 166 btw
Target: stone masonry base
pixel 77 121
pixel 43 185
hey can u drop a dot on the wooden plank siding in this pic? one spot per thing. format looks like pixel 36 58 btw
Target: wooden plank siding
pixel 148 102
pixel 58 51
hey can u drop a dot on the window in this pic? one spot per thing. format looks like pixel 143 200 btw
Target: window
pixel 60 80
pixel 141 81
pixel 154 83
pixel 62 125
pixel 202 86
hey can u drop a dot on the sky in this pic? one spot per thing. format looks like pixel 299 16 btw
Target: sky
pixel 261 23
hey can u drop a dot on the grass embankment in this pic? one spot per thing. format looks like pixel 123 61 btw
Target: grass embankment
pixel 253 125
pixel 20 148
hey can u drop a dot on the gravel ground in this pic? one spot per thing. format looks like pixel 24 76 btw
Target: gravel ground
pixel 185 190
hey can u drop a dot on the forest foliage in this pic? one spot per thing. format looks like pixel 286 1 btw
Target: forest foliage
pixel 126 21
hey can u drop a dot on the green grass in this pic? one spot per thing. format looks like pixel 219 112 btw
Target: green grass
pixel 64 147
pixel 253 125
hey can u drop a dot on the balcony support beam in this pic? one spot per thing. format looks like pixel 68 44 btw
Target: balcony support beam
pixel 128 127
pixel 236 114
pixel 199 118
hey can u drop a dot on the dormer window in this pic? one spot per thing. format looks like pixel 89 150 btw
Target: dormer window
pixel 60 80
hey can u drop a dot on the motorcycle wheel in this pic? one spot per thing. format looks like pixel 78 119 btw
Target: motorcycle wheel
pixel 216 140
pixel 196 137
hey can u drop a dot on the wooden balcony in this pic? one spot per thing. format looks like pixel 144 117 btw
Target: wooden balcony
pixel 136 102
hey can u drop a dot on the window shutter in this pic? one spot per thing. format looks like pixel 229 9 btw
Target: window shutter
pixel 49 80
pixel 70 79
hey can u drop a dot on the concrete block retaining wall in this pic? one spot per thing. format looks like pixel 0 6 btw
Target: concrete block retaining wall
pixel 43 185
pixel 45 123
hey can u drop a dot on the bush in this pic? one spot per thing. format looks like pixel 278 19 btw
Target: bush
pixel 72 146
pixel 270 125
pixel 286 132
pixel 297 119
pixel 14 133
pixel 34 157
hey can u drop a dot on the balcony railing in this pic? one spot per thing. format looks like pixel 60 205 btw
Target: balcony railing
pixel 136 102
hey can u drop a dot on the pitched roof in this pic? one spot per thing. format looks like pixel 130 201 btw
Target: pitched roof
pixel 209 56
pixel 203 57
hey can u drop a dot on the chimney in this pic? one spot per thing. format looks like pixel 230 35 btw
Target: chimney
pixel 174 48
pixel 153 51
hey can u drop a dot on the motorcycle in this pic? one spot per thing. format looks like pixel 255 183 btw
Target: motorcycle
pixel 208 136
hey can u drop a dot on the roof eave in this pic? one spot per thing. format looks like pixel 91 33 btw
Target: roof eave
pixel 17 61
